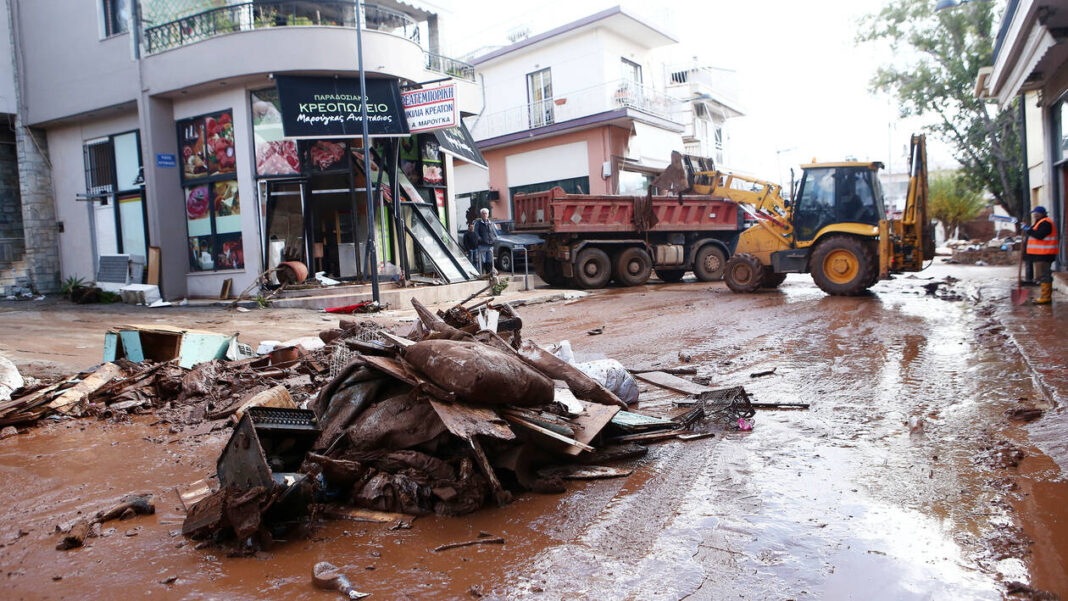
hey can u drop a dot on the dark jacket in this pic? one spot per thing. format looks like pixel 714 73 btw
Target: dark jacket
pixel 1039 233
pixel 470 240
pixel 487 233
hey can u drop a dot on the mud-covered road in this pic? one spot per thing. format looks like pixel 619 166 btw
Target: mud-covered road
pixel 897 483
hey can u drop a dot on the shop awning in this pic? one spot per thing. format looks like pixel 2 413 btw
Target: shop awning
pixel 651 146
pixel 457 141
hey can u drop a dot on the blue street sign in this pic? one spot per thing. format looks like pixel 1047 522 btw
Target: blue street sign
pixel 166 160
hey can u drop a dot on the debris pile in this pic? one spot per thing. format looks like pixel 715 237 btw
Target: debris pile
pixel 999 251
pixel 459 413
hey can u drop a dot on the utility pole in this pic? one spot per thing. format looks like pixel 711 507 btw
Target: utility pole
pixel 372 255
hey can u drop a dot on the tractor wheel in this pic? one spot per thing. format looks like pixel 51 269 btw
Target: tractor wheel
pixel 593 268
pixel 744 273
pixel 710 263
pixel 772 279
pixel 843 266
pixel 633 267
pixel 669 276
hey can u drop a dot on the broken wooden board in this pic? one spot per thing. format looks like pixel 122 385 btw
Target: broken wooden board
pixel 466 421
pixel 647 437
pixel 191 493
pixel 696 436
pixel 356 514
pixel 665 380
pixel 69 401
pixel 573 447
pixel 592 420
pixel 632 422
pixel 583 472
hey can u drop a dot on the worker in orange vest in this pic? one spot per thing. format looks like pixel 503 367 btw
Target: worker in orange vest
pixel 1042 251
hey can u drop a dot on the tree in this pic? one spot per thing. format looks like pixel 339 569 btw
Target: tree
pixel 939 57
pixel 953 201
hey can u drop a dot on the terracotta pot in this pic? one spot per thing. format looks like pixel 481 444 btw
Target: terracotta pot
pixel 292 272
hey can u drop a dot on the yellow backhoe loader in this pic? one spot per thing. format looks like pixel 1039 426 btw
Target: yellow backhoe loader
pixel 836 229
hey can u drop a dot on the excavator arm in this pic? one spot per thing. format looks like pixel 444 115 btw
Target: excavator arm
pixel 906 243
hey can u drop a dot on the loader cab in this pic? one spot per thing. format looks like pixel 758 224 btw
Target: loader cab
pixel 832 193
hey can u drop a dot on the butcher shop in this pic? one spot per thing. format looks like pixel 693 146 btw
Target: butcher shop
pixel 312 182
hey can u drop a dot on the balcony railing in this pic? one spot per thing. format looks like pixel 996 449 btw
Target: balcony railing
pixel 449 66
pixel 263 14
pixel 614 95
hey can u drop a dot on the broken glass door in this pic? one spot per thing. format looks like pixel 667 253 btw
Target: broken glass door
pixel 422 225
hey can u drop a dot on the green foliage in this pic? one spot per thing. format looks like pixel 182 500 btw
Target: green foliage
pixel 939 55
pixel 499 285
pixel 262 301
pixel 107 297
pixel 953 201
pixel 70 285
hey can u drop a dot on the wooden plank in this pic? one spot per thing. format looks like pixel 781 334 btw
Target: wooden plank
pixel 70 399
pixel 354 514
pixel 466 421
pixel 671 382
pixel 592 420
pixel 131 345
pixel 584 472
pixel 574 447
pixel 647 437
pixel 636 421
pixel 111 346
pixel 153 266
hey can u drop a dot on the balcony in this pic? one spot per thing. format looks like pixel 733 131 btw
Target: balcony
pixel 267 14
pixel 611 96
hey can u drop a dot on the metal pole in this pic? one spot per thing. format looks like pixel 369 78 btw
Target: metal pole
pixel 372 256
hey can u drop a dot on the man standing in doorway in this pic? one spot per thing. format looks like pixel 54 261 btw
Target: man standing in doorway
pixel 487 236
pixel 471 243
pixel 1042 250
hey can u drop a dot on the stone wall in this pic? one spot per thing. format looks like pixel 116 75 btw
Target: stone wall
pixel 38 209
pixel 11 243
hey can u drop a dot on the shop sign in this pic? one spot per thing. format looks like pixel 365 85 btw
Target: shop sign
pixel 331 107
pixel 166 160
pixel 430 108
pixel 458 142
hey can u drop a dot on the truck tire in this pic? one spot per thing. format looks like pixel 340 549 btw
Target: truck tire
pixel 772 279
pixel 710 263
pixel 633 267
pixel 843 265
pixel 504 261
pixel 593 268
pixel 551 273
pixel 669 276
pixel 744 273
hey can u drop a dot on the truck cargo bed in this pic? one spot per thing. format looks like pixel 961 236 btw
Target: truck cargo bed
pixel 553 211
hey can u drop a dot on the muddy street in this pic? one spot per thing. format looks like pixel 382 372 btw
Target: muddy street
pixel 904 479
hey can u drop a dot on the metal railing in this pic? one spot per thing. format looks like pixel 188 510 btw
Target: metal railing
pixel 449 66
pixel 613 95
pixel 264 14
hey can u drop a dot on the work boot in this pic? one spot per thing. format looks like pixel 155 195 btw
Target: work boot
pixel 1045 295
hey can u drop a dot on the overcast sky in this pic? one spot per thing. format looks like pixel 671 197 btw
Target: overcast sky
pixel 804 83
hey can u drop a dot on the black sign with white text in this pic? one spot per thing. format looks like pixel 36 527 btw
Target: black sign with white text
pixel 330 107
pixel 458 142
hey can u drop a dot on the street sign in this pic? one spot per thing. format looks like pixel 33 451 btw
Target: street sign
pixel 166 159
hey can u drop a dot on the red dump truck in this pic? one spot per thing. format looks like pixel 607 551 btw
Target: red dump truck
pixel 592 239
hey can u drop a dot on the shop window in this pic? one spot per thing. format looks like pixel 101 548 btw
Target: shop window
pixel 212 202
pixel 116 16
pixel 275 155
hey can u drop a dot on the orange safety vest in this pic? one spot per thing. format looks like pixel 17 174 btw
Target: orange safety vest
pixel 1045 246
